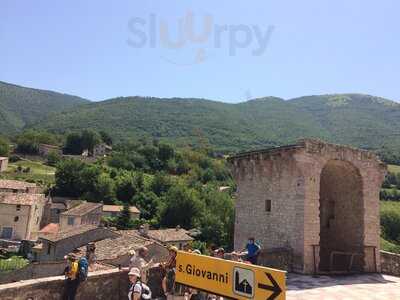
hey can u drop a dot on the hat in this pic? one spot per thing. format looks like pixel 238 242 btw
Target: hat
pixel 197 251
pixel 134 272
pixel 173 248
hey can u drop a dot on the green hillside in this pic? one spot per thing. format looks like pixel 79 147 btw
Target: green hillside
pixel 359 120
pixel 20 106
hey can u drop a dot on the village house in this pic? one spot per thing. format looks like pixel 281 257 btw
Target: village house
pixel 20 215
pixel 114 210
pixel 177 237
pixel 54 243
pixel 3 164
pixel 116 250
pixel 87 213
pixel 14 186
pixel 45 150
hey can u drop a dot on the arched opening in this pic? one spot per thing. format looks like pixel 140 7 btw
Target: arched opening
pixel 341 218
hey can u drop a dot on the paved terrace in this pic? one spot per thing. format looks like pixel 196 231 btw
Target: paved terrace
pixel 350 287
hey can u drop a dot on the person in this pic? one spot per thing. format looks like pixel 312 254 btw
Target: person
pixel 220 253
pixel 138 260
pixel 138 290
pixel 169 268
pixel 71 277
pixel 253 250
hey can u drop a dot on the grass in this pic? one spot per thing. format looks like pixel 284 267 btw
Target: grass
pixel 389 246
pixel 12 263
pixel 39 172
pixel 394 168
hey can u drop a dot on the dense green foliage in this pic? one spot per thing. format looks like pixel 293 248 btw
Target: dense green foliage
pixel 170 186
pixel 355 119
pixel 76 143
pixel 4 147
pixel 20 106
pixel 390 223
pixel 28 141
pixel 359 120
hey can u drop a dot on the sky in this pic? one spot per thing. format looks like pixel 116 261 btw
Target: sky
pixel 223 50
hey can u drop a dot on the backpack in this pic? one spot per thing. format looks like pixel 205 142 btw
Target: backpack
pixel 146 292
pixel 83 267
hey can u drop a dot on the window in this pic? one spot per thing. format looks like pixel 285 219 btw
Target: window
pixel 268 205
pixel 71 220
pixel 16 219
pixel 18 207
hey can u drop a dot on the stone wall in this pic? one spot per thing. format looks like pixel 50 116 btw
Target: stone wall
pixel 34 270
pixel 101 285
pixel 279 192
pixel 278 258
pixel 390 263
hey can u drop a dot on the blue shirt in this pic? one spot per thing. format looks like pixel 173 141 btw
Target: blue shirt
pixel 252 249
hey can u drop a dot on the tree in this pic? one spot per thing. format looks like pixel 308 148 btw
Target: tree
pixel 181 207
pixel 68 178
pixel 124 220
pixel 73 144
pixel 53 158
pixel 125 187
pixel 148 204
pixel 90 139
pixel 4 147
pixel 106 138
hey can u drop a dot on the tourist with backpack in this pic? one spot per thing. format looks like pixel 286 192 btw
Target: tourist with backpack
pixel 138 290
pixel 71 273
pixel 83 268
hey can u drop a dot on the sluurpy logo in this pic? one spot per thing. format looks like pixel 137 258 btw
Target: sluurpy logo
pixel 155 31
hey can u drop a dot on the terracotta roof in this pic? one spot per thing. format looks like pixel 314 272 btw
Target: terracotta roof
pixel 21 199
pixel 82 209
pixel 169 235
pixel 51 228
pixel 118 208
pixel 15 184
pixel 62 235
pixel 112 248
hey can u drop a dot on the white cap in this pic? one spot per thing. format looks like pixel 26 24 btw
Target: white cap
pixel 134 272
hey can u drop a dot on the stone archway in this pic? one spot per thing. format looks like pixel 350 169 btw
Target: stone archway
pixel 341 218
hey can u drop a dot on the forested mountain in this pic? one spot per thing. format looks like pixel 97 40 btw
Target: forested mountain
pixel 360 120
pixel 20 106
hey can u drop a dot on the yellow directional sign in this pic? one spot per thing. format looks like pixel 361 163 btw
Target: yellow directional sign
pixel 229 278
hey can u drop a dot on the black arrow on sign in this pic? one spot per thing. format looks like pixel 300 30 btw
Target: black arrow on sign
pixel 274 288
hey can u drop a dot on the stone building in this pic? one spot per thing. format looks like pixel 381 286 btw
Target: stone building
pixel 177 237
pixel 319 200
pixel 20 215
pixel 3 164
pixel 87 213
pixel 52 246
pixel 15 186
pixel 115 210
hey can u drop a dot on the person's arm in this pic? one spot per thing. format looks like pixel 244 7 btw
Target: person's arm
pixel 258 249
pixel 137 292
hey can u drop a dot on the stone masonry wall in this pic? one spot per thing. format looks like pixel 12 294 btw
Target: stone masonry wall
pixel 34 270
pixel 275 178
pixel 102 285
pixel 390 263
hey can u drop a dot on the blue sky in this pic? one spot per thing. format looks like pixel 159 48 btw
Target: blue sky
pixel 103 49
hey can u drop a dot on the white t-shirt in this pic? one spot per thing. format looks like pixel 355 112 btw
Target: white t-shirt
pixel 137 288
